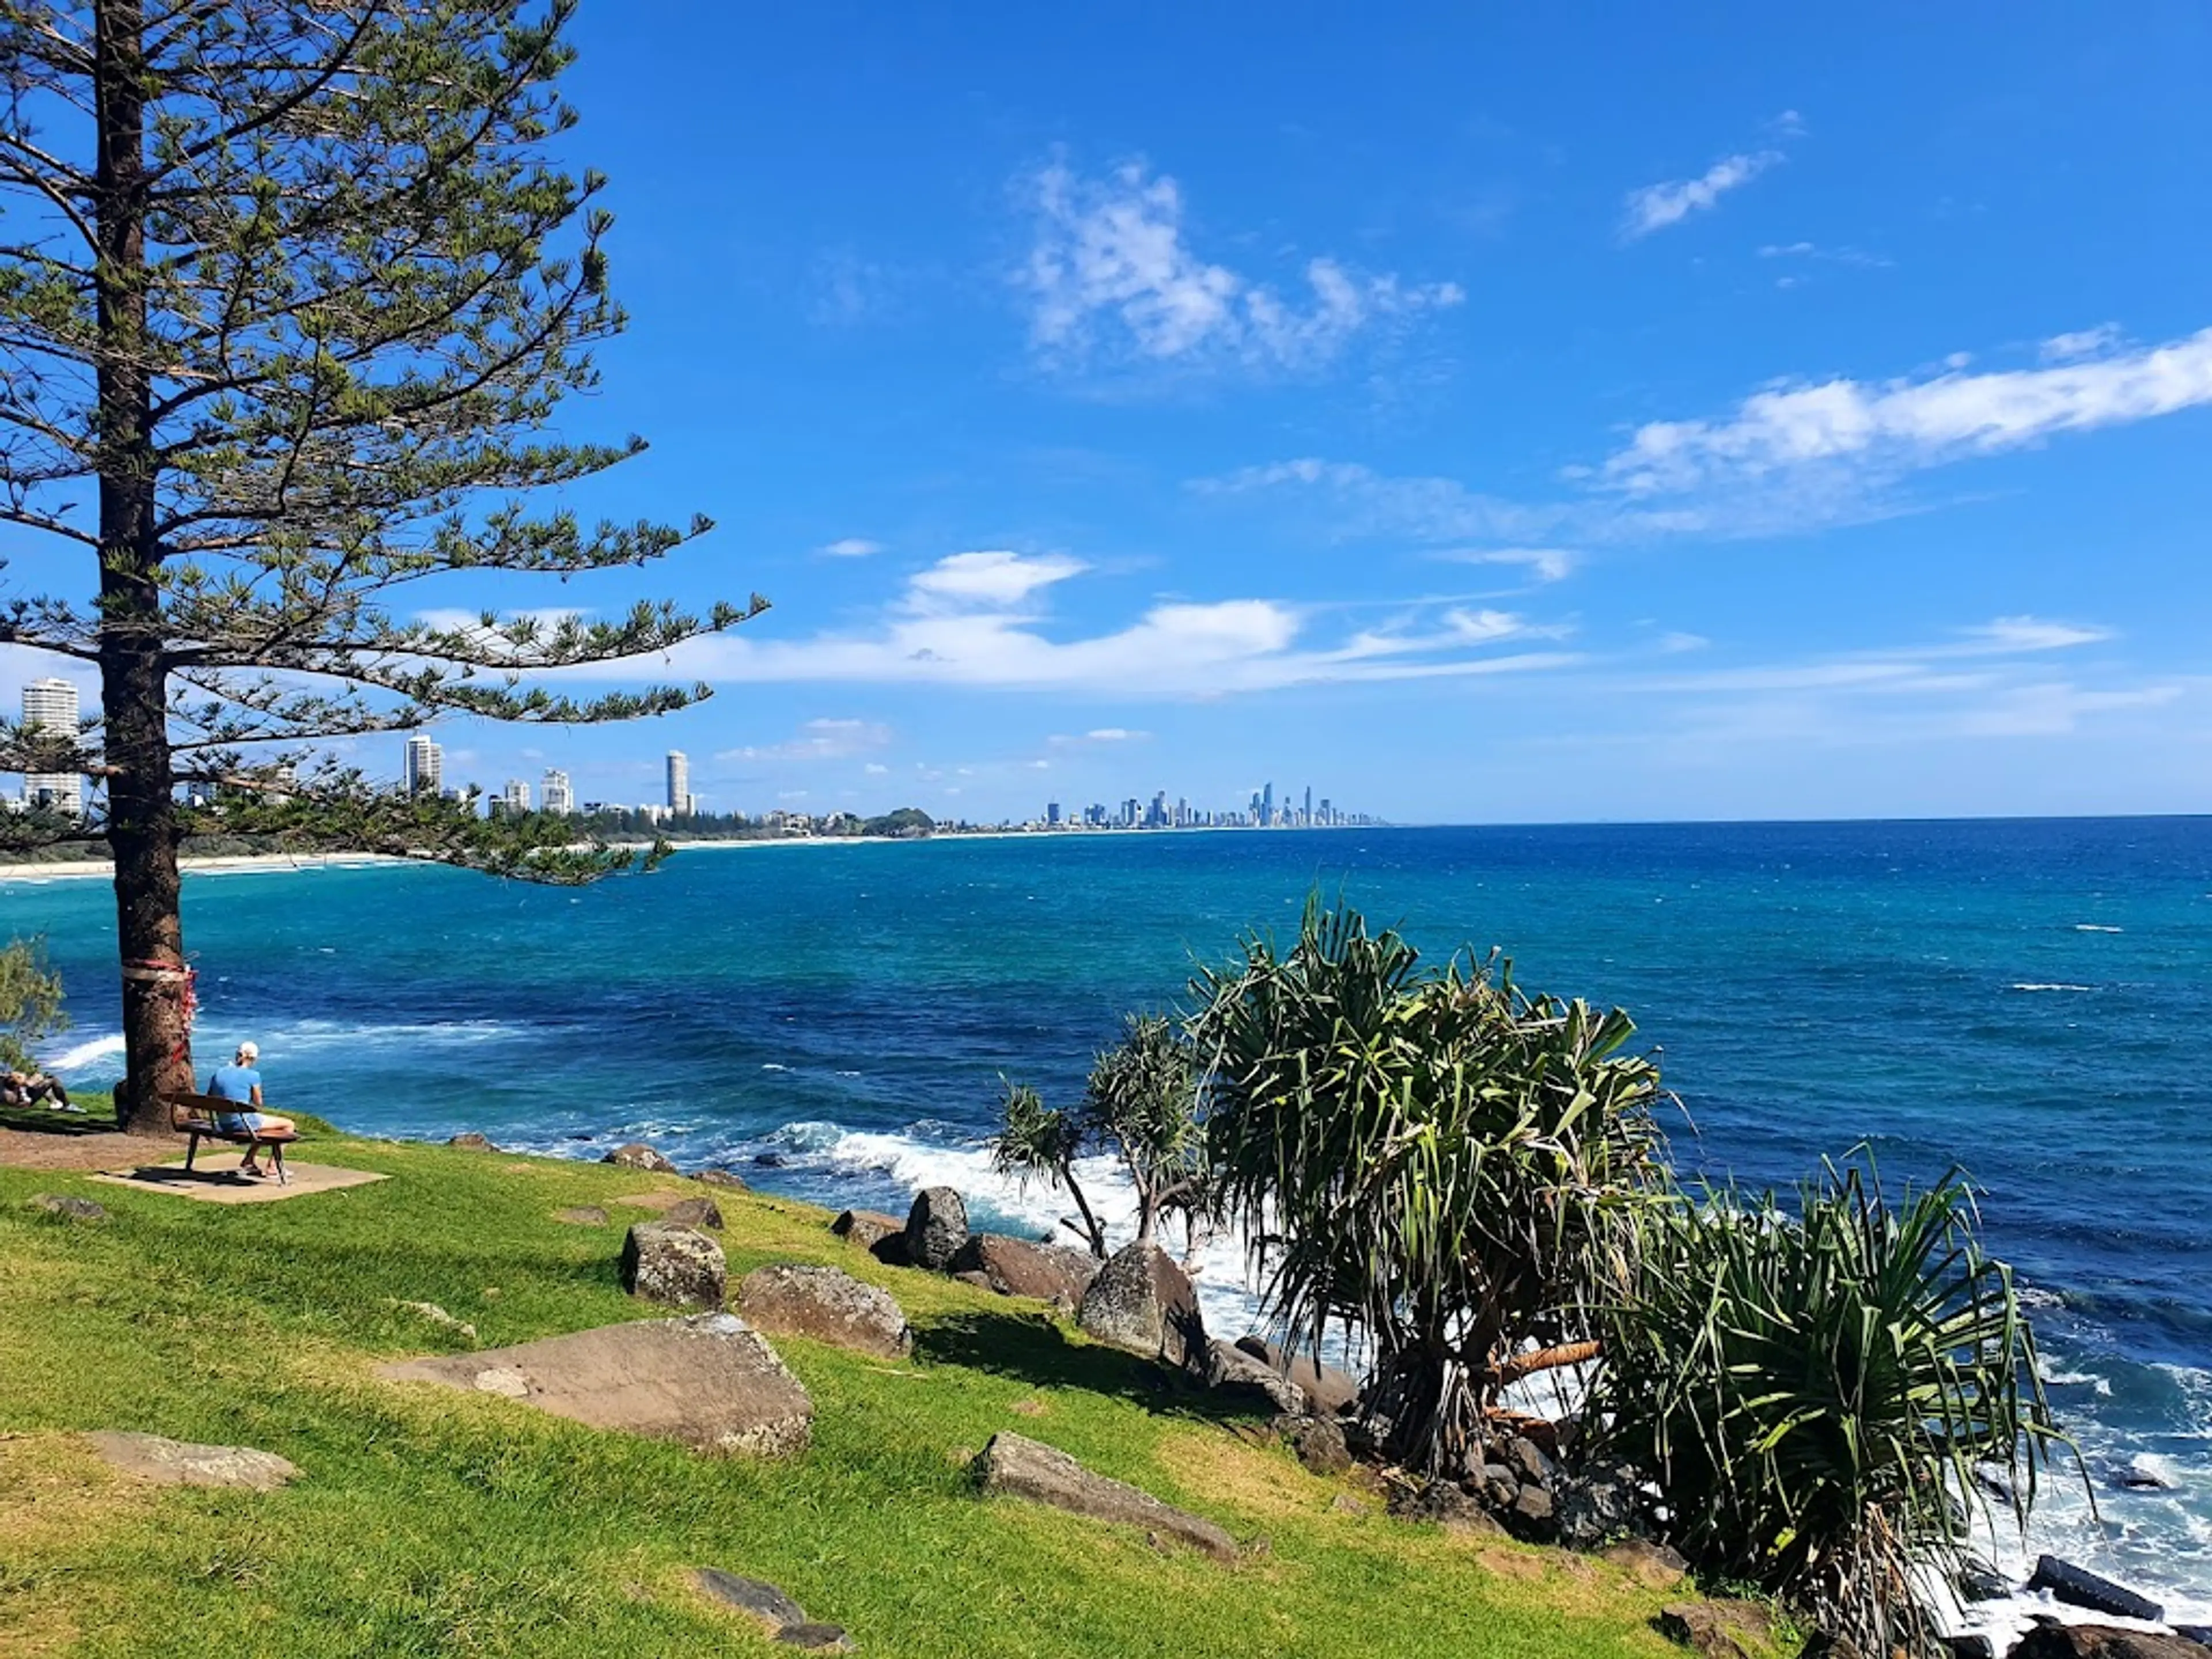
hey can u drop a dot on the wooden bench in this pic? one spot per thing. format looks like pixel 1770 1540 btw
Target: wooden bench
pixel 197 1115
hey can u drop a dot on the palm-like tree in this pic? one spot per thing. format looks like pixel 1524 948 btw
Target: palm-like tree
pixel 1813 1392
pixel 1447 1165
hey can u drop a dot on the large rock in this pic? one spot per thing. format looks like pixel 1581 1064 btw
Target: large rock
pixel 472 1140
pixel 723 1178
pixel 827 1303
pixel 2083 1589
pixel 182 1463
pixel 1328 1388
pixel 1718 1630
pixel 1602 1502
pixel 1020 1467
pixel 695 1213
pixel 2102 1642
pixel 866 1228
pixel 667 1262
pixel 936 1229
pixel 780 1618
pixel 1655 1566
pixel 1319 1442
pixel 709 1382
pixel 639 1156
pixel 1252 1382
pixel 1014 1266
pixel 1142 1302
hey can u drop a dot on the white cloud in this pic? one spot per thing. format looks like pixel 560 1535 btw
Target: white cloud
pixel 1814 252
pixel 1901 425
pixel 1544 564
pixel 2010 634
pixel 2082 343
pixel 1368 503
pixel 977 620
pixel 819 739
pixel 1655 207
pixel 849 547
pixel 996 579
pixel 1112 275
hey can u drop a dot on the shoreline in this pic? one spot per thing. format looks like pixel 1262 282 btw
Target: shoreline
pixel 246 863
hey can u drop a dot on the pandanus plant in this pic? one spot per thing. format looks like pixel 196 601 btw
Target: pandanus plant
pixel 1447 1165
pixel 1812 1393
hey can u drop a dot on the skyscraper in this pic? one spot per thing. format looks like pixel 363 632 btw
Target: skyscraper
pixel 49 705
pixel 1307 818
pixel 1267 805
pixel 426 765
pixel 553 793
pixel 516 795
pixel 679 782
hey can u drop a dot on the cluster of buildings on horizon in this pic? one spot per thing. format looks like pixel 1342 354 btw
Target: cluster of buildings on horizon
pixel 52 705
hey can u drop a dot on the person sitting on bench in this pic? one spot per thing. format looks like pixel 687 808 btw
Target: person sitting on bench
pixel 240 1083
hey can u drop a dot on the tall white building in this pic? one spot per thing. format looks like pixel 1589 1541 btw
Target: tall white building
pixel 516 795
pixel 679 782
pixel 49 705
pixel 426 765
pixel 553 793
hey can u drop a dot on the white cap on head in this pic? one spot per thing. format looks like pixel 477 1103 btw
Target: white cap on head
pixel 248 1051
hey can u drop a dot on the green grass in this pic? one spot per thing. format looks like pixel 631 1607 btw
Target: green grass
pixel 427 1521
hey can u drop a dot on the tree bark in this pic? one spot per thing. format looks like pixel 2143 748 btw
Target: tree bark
pixel 141 815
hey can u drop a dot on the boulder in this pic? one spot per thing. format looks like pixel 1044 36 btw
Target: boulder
pixel 1534 1516
pixel 1142 1302
pixel 826 1304
pixel 1319 1442
pixel 2079 1588
pixel 867 1228
pixel 1977 1581
pixel 779 1617
pixel 722 1178
pixel 709 1382
pixel 815 1638
pixel 67 1204
pixel 665 1262
pixel 181 1464
pixel 470 1141
pixel 639 1156
pixel 1972 1645
pixel 582 1215
pixel 1014 1266
pixel 1328 1388
pixel 1718 1630
pixel 1531 1467
pixel 2102 1642
pixel 1253 1382
pixel 1444 1504
pixel 1495 1485
pixel 1655 1566
pixel 1016 1467
pixel 1602 1502
pixel 694 1213
pixel 936 1228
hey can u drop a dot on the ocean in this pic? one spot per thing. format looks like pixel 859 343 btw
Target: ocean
pixel 2026 1000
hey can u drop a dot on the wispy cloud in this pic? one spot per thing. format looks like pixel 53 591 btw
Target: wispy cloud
pixel 818 740
pixel 1656 207
pixel 849 547
pixel 1814 253
pixel 1543 564
pixel 1112 277
pixel 981 620
pixel 1854 427
pixel 2082 343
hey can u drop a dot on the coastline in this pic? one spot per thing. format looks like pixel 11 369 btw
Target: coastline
pixel 244 863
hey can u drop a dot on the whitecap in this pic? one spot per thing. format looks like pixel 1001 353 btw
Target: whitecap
pixel 79 1055
pixel 770 1066
pixel 2053 987
pixel 2093 927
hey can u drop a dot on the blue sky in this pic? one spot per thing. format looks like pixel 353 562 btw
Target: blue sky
pixel 1589 415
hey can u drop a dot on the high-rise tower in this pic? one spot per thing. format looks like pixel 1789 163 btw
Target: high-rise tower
pixel 426 765
pixel 49 705
pixel 679 782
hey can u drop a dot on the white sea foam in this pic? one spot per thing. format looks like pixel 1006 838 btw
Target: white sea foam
pixel 91 1050
pixel 2103 1385
pixel 2054 988
pixel 2093 927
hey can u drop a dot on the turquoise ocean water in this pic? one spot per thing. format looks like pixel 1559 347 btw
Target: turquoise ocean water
pixel 2030 1000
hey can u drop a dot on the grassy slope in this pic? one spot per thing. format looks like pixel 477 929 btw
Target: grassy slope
pixel 432 1522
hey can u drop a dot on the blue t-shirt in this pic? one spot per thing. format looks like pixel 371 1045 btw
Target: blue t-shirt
pixel 235 1083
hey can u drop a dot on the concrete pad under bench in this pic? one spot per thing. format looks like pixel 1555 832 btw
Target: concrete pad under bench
pixel 215 1180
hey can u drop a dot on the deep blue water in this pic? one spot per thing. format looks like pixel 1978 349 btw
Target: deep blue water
pixel 2029 999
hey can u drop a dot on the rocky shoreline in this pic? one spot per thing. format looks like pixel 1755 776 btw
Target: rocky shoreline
pixel 1532 1486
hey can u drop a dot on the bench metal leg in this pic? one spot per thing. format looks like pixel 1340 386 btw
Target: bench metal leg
pixel 191 1151
pixel 277 1156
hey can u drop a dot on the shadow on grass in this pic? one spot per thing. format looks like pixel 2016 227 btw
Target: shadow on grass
pixel 1031 1349
pixel 48 1120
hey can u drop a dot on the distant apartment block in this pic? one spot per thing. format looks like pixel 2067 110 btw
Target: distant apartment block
pixel 51 705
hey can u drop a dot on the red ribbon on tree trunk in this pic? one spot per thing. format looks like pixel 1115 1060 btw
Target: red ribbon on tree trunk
pixel 188 995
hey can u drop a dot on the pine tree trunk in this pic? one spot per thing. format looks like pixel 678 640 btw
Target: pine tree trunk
pixel 142 816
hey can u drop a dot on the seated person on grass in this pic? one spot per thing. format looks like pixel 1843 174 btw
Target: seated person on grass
pixel 240 1083
pixel 30 1088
